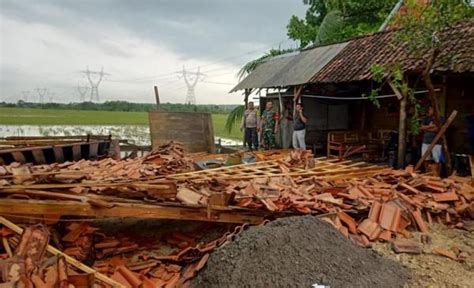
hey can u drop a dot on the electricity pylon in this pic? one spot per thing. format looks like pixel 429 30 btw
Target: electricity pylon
pixel 82 92
pixel 41 93
pixel 26 94
pixel 191 79
pixel 94 77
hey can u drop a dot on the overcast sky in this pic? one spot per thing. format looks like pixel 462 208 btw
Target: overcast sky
pixel 139 43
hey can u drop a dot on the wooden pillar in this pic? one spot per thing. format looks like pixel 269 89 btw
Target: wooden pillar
pixel 157 96
pixel 363 116
pixel 246 97
pixel 402 132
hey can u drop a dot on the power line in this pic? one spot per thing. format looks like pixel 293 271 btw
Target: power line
pixel 220 83
pixel 154 77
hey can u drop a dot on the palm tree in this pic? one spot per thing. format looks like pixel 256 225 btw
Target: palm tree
pixel 252 65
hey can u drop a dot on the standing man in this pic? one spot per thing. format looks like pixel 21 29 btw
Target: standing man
pixel 286 124
pixel 250 123
pixel 430 128
pixel 269 126
pixel 299 129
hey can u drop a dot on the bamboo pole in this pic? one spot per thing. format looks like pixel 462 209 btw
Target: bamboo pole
pixel 68 258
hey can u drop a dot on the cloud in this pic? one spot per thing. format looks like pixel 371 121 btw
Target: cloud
pixel 48 43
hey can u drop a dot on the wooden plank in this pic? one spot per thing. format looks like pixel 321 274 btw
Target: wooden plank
pixel 93 149
pixel 39 156
pixel 436 139
pixel 18 156
pixel 71 208
pixel 194 130
pixel 471 164
pixel 68 258
pixel 85 184
pixel 76 152
pixel 58 154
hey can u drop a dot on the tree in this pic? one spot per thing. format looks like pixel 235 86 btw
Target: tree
pixel 329 21
pixel 420 26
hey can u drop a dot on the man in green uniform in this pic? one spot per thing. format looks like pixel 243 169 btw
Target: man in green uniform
pixel 269 126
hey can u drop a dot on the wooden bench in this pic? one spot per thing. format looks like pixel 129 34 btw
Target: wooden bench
pixel 345 143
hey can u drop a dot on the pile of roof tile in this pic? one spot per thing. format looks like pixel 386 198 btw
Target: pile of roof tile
pixel 165 160
pixel 27 264
pixel 382 207
pixel 107 177
pixel 169 261
pixel 401 201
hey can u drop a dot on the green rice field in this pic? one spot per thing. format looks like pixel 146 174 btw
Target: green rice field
pixel 27 116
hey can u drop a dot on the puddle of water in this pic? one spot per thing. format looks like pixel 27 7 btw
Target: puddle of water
pixel 136 134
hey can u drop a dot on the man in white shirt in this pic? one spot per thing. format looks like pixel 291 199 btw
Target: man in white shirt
pixel 250 125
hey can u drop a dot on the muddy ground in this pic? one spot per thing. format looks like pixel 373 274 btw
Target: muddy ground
pixel 431 270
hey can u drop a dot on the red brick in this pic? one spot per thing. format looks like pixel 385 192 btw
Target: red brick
pixel 370 228
pixel 406 246
pixel 419 221
pixel 386 235
pixel 445 197
pixel 445 252
pixel 389 217
pixel 374 212
pixel 348 221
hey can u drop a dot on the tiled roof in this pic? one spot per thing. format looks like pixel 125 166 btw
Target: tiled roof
pixel 353 63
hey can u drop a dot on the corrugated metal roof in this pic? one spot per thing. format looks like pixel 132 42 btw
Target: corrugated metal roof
pixel 291 70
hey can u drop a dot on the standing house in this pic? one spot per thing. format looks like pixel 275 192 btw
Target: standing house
pixel 289 74
pixel 335 97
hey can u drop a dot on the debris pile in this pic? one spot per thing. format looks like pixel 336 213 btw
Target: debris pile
pixel 170 260
pixel 365 203
pixel 166 159
pixel 400 200
pixel 297 252
pixel 27 265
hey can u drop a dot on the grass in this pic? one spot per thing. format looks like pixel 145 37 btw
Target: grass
pixel 218 121
pixel 27 116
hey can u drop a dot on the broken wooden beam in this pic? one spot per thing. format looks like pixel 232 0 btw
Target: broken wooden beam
pixel 436 139
pixel 74 208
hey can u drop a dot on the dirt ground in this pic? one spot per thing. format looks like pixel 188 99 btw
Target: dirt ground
pixel 297 252
pixel 432 270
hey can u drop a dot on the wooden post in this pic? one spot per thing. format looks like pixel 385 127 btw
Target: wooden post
pixel 402 132
pixel 246 97
pixel 157 97
pixel 471 164
pixel 436 139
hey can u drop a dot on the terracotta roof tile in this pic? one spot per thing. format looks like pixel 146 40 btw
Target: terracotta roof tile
pixel 353 63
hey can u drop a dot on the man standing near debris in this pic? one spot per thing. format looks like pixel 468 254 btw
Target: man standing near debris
pixel 250 124
pixel 430 128
pixel 299 130
pixel 269 126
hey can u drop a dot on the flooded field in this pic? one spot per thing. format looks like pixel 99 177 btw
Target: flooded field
pixel 136 134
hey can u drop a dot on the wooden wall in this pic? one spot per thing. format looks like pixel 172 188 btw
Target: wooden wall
pixel 194 130
pixel 460 97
